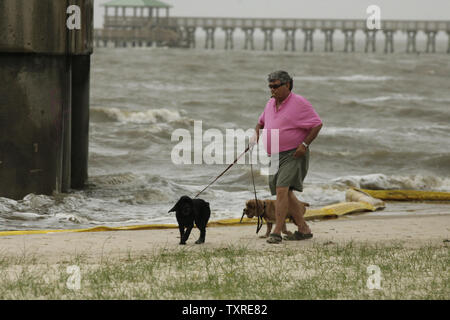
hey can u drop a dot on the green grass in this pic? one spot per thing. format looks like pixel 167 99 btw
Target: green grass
pixel 318 271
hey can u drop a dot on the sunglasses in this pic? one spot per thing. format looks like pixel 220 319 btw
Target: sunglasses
pixel 276 86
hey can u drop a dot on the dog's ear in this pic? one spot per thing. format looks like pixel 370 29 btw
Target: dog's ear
pixel 175 207
pixel 180 202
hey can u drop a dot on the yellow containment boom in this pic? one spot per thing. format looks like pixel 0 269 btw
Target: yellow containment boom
pixel 408 195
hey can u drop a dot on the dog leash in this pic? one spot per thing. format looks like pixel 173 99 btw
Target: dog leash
pixel 260 219
pixel 248 148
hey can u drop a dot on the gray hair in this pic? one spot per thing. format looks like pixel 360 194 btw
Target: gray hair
pixel 283 76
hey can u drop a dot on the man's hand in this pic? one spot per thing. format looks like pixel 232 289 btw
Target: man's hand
pixel 300 152
pixel 255 138
pixel 253 141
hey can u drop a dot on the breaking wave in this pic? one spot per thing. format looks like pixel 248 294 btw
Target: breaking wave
pixel 383 182
pixel 352 78
pixel 139 117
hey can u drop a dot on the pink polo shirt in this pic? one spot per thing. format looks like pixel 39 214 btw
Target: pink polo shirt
pixel 294 120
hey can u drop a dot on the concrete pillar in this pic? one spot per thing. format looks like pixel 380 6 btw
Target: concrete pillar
pixel 268 38
pixel 448 48
pixel 81 66
pixel 190 36
pixel 289 39
pixel 349 43
pixel 370 40
pixel 134 40
pixel 33 101
pixel 229 44
pixel 411 41
pixel 389 41
pixel 431 41
pixel 209 42
pixel 66 128
pixel 309 43
pixel 249 38
pixel 38 87
pixel 328 39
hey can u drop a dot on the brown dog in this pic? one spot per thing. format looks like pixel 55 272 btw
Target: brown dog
pixel 266 210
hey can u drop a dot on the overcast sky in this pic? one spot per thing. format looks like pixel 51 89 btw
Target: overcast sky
pixel 352 9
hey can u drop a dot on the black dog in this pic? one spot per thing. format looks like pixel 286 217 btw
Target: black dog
pixel 189 210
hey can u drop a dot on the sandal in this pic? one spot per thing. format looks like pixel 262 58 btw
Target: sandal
pixel 274 238
pixel 298 236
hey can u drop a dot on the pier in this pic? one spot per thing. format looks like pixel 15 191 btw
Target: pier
pixel 126 24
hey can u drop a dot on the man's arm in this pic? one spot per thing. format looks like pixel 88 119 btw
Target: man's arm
pixel 301 150
pixel 254 140
pixel 257 128
pixel 312 134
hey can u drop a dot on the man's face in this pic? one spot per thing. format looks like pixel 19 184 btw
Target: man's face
pixel 279 90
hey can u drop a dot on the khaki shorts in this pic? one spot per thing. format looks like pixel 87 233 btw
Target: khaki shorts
pixel 291 171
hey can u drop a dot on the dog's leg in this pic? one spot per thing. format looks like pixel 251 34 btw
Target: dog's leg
pixel 269 228
pixel 285 230
pixel 186 234
pixel 181 228
pixel 202 235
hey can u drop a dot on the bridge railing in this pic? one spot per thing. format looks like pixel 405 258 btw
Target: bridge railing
pixel 123 22
pixel 218 22
pixel 400 25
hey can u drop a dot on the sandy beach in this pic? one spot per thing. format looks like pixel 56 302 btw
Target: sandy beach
pixel 410 230
pixel 409 248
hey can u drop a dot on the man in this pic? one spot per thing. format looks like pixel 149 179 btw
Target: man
pixel 298 125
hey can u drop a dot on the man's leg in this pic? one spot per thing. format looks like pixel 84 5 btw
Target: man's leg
pixel 281 208
pixel 297 210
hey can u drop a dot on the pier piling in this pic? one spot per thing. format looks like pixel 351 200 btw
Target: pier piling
pixel 431 41
pixel 349 43
pixel 328 39
pixel 229 44
pixel 44 86
pixel 371 40
pixel 268 38
pixel 209 41
pixel 309 43
pixel 289 40
pixel 249 40
pixel 389 41
pixel 411 41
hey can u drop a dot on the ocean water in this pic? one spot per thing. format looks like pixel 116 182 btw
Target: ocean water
pixel 386 126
